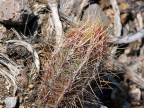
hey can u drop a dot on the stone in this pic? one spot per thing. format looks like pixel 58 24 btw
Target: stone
pixel 13 10
pixel 10 102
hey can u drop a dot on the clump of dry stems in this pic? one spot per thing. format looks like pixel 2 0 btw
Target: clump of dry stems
pixel 74 65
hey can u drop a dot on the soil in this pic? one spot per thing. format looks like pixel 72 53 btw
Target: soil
pixel 120 84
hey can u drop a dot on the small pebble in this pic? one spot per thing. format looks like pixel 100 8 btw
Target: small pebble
pixel 127 50
pixel 30 86
pixel 23 81
pixel 21 106
pixel 1 106
pixel 135 93
pixel 10 102
pixel 20 99
pixel 123 58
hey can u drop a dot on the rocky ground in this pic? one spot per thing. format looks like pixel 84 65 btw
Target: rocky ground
pixel 111 76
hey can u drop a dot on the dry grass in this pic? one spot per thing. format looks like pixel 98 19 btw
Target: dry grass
pixel 70 68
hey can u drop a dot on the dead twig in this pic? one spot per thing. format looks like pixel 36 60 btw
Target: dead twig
pixel 129 38
pixel 83 4
pixel 56 20
pixel 40 9
pixel 12 78
pixel 14 69
pixel 117 20
pixel 139 21
pixel 3 56
pixel 67 19
pixel 29 48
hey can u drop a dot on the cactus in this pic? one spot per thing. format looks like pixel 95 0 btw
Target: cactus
pixel 74 65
